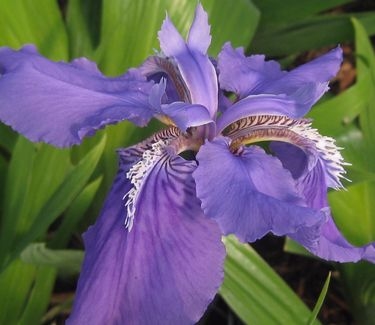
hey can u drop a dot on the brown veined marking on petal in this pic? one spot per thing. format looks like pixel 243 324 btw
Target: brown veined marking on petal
pixel 166 65
pixel 294 131
pixel 270 134
pixel 157 149
pixel 170 133
pixel 265 128
pixel 259 121
pixel 179 140
pixel 160 64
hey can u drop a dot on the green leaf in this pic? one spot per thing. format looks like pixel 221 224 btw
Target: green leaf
pixel 366 64
pixel 39 296
pixel 83 26
pixel 38 22
pixel 320 301
pixel 356 206
pixel 63 196
pixel 364 49
pixel 61 308
pixel 66 261
pixel 48 161
pixel 74 214
pixel 8 138
pixel 359 282
pixel 25 293
pixel 357 152
pixel 72 185
pixel 276 12
pixel 310 33
pixel 15 282
pixel 332 117
pixel 234 21
pixel 27 188
pixel 3 172
pixel 15 193
pixel 255 292
pixel 129 28
pixel 292 246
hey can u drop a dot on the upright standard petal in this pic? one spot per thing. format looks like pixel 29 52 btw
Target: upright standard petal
pixel 199 37
pixel 250 193
pixel 244 75
pixel 193 64
pixel 60 103
pixel 166 269
pixel 307 83
pixel 253 76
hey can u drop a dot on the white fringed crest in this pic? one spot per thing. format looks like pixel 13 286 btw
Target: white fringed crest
pixel 137 175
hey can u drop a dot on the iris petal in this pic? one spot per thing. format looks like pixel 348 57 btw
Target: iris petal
pixel 243 75
pixel 183 115
pixel 329 243
pixel 316 73
pixel 167 269
pixel 199 37
pixel 334 247
pixel 187 115
pixel 257 105
pixel 325 241
pixel 60 103
pixel 193 63
pixel 254 76
pixel 249 194
pixel 299 133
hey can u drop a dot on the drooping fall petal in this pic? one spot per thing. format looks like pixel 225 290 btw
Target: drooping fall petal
pixel 61 103
pixel 249 194
pixel 166 269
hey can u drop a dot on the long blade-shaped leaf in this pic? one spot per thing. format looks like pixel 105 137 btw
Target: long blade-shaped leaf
pixel 320 300
pixel 38 22
pixel 129 28
pixel 15 193
pixel 359 282
pixel 60 200
pixel 309 34
pixel 255 292
pixel 83 26
pixel 25 293
pixel 275 12
pixel 67 262
pixel 74 214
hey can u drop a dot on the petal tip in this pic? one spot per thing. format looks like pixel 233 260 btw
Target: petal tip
pixel 199 37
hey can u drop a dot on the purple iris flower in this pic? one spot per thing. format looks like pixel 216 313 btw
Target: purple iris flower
pixel 155 255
